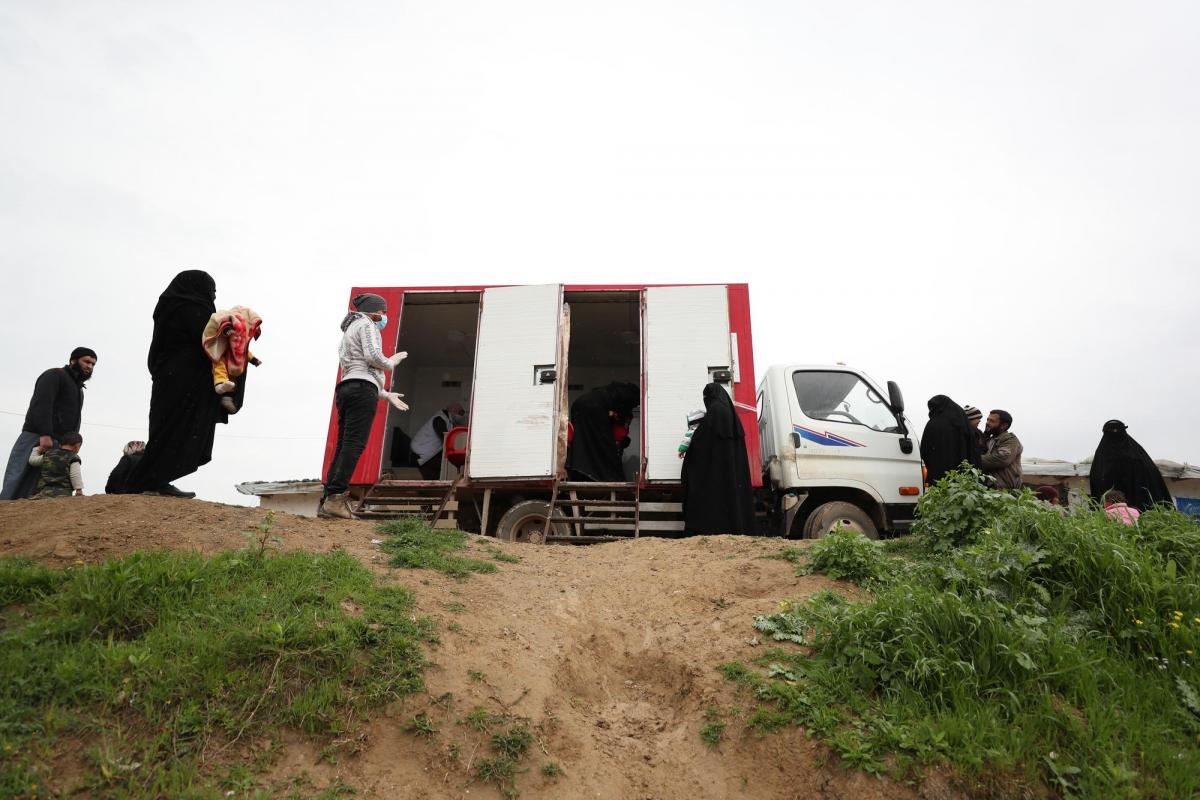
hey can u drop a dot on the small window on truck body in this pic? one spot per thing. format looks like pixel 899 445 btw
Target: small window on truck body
pixel 832 396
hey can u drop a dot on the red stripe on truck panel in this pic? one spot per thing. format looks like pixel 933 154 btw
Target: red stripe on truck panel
pixel 370 463
pixel 744 392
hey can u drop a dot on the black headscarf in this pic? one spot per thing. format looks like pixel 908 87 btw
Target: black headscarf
pixel 948 439
pixel 623 398
pixel 717 496
pixel 594 454
pixel 191 290
pixel 1121 463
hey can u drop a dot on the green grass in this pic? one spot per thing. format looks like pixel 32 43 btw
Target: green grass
pixel 1031 650
pixel 411 543
pixel 422 725
pixel 499 555
pixel 162 668
pixel 509 747
pixel 713 730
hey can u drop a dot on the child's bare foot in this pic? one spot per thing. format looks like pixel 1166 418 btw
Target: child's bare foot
pixel 225 388
pixel 228 404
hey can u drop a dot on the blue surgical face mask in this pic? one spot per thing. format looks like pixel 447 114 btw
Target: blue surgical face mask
pixel 381 323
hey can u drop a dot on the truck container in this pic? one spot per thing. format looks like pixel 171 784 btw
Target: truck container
pixel 516 357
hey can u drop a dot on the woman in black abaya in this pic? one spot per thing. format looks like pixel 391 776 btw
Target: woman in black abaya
pixel 717 497
pixel 184 410
pixel 595 455
pixel 1121 463
pixel 948 439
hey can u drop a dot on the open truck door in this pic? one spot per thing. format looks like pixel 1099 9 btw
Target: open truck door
pixel 515 394
pixel 686 346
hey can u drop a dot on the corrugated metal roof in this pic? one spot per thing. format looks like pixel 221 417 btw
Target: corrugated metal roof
pixel 1059 468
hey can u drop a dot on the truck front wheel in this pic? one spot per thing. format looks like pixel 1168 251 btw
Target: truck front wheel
pixel 828 517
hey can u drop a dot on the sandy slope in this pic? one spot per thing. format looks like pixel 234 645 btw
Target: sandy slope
pixel 611 649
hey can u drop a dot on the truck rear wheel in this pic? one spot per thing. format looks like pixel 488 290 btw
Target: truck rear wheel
pixel 526 522
pixel 828 517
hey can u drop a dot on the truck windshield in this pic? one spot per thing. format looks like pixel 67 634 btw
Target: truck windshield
pixel 842 397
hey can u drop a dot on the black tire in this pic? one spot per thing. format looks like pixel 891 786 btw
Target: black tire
pixel 526 521
pixel 828 516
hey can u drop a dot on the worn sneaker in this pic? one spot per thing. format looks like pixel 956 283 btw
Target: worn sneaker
pixel 225 388
pixel 336 506
pixel 228 404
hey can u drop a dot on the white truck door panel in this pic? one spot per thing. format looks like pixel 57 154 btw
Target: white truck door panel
pixel 685 334
pixel 846 432
pixel 512 413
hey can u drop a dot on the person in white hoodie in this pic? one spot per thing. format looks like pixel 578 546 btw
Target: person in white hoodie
pixel 362 385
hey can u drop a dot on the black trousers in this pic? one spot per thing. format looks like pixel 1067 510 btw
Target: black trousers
pixel 431 470
pixel 356 403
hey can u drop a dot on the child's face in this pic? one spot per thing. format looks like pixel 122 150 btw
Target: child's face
pixel 74 448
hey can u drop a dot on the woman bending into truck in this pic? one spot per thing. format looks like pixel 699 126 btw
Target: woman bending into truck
pixel 595 453
pixel 362 385
pixel 717 497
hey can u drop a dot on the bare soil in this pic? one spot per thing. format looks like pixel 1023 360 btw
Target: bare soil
pixel 610 651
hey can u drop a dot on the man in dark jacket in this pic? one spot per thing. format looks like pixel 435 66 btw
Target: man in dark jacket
pixel 1002 461
pixel 55 408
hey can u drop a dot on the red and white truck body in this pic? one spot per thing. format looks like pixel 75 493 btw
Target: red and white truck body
pixel 517 356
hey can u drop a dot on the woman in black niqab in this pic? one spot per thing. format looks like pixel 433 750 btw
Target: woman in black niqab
pixel 594 454
pixel 717 496
pixel 1121 463
pixel 948 439
pixel 184 409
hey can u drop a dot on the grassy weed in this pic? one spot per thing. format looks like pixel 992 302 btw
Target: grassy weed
pixel 1058 650
pixel 412 543
pixel 845 554
pixel 497 554
pixel 163 662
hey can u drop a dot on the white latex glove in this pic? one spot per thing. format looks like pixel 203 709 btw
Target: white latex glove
pixel 398 357
pixel 394 399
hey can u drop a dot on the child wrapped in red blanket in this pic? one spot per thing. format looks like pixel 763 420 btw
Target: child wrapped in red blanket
pixel 226 340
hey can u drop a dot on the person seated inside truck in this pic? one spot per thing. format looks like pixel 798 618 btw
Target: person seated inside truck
pixel 428 442
pixel 947 440
pixel 595 452
pixel 717 496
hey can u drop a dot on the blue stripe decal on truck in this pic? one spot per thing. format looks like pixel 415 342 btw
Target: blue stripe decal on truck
pixel 828 439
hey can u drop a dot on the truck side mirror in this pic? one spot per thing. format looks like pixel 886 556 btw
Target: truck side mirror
pixel 906 445
pixel 895 397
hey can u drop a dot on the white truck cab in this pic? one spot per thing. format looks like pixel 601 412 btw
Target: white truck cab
pixel 836 450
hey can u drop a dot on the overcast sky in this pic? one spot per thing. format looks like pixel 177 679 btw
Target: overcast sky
pixel 995 201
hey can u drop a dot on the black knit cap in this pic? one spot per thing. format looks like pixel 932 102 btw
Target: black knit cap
pixel 369 303
pixel 80 352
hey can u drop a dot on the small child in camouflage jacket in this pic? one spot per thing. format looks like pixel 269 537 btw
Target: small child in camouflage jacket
pixel 61 474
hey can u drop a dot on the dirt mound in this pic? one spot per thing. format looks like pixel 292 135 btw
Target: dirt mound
pixel 610 651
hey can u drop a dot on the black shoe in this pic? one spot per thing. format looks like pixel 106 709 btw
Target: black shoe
pixel 170 490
